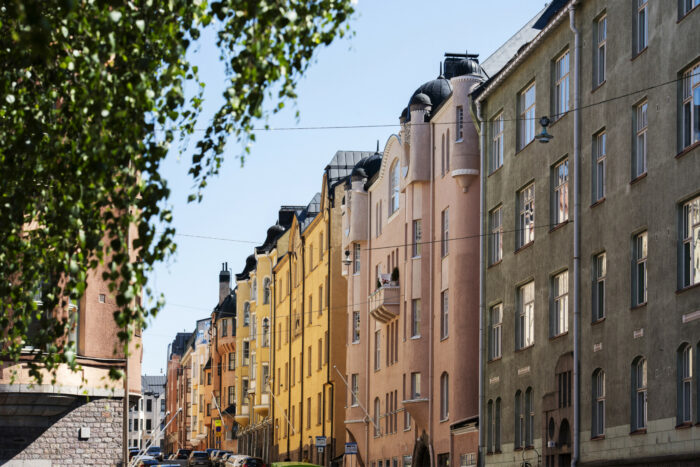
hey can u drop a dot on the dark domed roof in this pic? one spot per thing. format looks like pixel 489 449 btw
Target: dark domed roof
pixel 420 99
pixel 358 173
pixel 459 66
pixel 436 91
pixel 273 233
pixel 250 265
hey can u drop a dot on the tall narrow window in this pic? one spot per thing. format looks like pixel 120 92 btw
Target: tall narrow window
pixel 415 385
pixel 690 243
pixel 497 128
pixel 497 428
pixel 519 421
pixel 639 394
pixel 356 258
pixel 246 353
pixel 559 317
pixel 320 300
pixel 459 118
pixel 525 319
pixel 599 273
pixel 489 426
pixel 496 237
pixel 526 219
pixel 266 332
pixel 598 404
pixel 686 6
pixel 685 384
pixel 355 327
pixel 246 314
pixel 445 223
pixel 377 349
pixel 599 60
pixel 526 114
pixel 444 314
pixel 560 193
pixel 690 112
pixel 417 237
pixel 529 418
pixel 355 387
pixel 495 322
pixel 265 377
pixel 642 26
pixel 266 291
pixel 444 396
pixel 639 272
pixel 415 317
pixel 377 410
pixel 319 412
pixel 599 157
pixel 394 188
pixel 639 162
pixel 561 85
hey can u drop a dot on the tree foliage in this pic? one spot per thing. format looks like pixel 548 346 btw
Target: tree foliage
pixel 91 97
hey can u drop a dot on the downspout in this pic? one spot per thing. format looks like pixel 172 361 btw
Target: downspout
pixel 431 154
pixel 331 200
pixel 577 231
pixel 275 383
pixel 289 348
pixel 368 273
pixel 303 333
pixel 482 278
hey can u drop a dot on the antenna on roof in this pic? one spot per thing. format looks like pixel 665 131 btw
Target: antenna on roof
pixel 377 145
pixel 440 75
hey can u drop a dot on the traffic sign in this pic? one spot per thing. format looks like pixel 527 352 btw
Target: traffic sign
pixel 217 424
pixel 351 448
pixel 320 441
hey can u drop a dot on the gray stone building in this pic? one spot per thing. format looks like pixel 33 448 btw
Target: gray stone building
pixel 591 245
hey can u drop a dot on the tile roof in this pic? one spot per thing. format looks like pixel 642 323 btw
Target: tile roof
pixel 153 384
pixel 342 164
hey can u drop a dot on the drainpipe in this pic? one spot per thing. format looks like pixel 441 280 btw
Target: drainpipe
pixel 431 154
pixel 366 320
pixel 303 332
pixel 273 378
pixel 482 277
pixel 331 450
pixel 289 348
pixel 577 231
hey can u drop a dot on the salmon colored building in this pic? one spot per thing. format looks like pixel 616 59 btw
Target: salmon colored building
pixel 411 246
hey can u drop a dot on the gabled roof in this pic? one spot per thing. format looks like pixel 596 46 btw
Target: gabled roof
pixel 153 384
pixel 312 210
pixel 227 308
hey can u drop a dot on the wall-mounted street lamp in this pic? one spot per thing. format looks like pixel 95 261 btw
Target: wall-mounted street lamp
pixel 544 137
pixel 347 261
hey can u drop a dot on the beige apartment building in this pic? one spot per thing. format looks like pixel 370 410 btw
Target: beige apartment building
pixel 590 298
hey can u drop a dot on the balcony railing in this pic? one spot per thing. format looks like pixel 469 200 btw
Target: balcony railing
pixel 384 302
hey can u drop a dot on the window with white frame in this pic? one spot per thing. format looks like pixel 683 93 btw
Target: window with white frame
pixel 496 235
pixel 415 385
pixel 526 116
pixel 415 317
pixel 526 217
pixel 690 243
pixel 559 311
pixel 253 327
pixel 560 192
pixel 246 314
pixel 232 360
pixel 497 128
pixel 266 291
pixel 639 270
pixel 639 160
pixel 356 258
pixel 445 223
pixel 377 414
pixel 685 384
pixel 561 85
pixel 525 317
pixel 685 6
pixel 266 332
pixel 599 273
pixel 355 327
pixel 639 394
pixel 690 111
pixel 598 404
pixel 254 289
pixel 495 326
pixel 417 238
pixel 265 368
pixel 641 26
pixel 444 396
pixel 394 187
pixel 444 314
pixel 600 51
pixel 355 388
pixel 599 160
pixel 377 349
pixel 459 118
pixel 246 353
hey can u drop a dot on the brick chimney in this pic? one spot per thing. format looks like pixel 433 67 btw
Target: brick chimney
pixel 224 282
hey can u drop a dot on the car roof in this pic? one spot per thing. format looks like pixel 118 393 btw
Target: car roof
pixel 293 464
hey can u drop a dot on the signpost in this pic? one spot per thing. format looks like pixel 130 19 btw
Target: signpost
pixel 320 443
pixel 350 448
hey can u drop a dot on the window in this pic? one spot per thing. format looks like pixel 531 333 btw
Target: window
pixel 445 223
pixel 356 258
pixel 639 162
pixel 417 237
pixel 377 349
pixel 639 394
pixel 320 300
pixel 415 385
pixel 560 193
pixel 600 31
pixel 685 384
pixel 320 353
pixel 394 188
pixel 529 418
pixel 497 427
pixel 149 424
pixel 459 134
pixel 355 327
pixel 559 310
pixel 266 291
pixel 224 328
pixel 246 314
pixel 561 85
pixel 519 420
pixel 598 404
pixel 444 314
pixel 526 112
pixel 355 388
pixel 321 246
pixel 599 156
pixel 253 327
pixel 489 426
pixel 687 5
pixel 254 289
pixel 599 272
pixel 319 412
pixel 266 332
pixel 377 410
pixel 444 396
pixel 690 112
pixel 497 128
pixel 525 319
pixel 495 322
pixel 246 353
pixel 231 395
pixel 564 389
pixel 690 243
pixel 641 26
pixel 415 317
pixel 496 237
pixel 232 361
pixel 639 270
pixel 526 219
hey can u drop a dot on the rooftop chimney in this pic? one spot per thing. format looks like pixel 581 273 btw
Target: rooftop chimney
pixel 224 282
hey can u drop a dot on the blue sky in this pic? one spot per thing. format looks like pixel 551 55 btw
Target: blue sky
pixel 366 78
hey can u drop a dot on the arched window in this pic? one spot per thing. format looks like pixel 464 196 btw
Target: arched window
pixel 598 404
pixel 394 187
pixel 246 314
pixel 685 383
pixel 444 396
pixel 489 426
pixel 519 420
pixel 377 409
pixel 529 418
pixel 639 394
pixel 497 428
pixel 266 291
pixel 266 332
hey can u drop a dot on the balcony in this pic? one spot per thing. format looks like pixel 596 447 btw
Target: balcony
pixel 264 406
pixel 384 302
pixel 242 415
pixel 418 408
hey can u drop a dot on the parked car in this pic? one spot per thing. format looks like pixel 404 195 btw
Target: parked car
pixel 248 461
pixel 233 458
pixel 199 458
pixel 133 452
pixel 217 458
pixel 147 460
pixel 183 453
pixel 292 464
pixel 156 452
